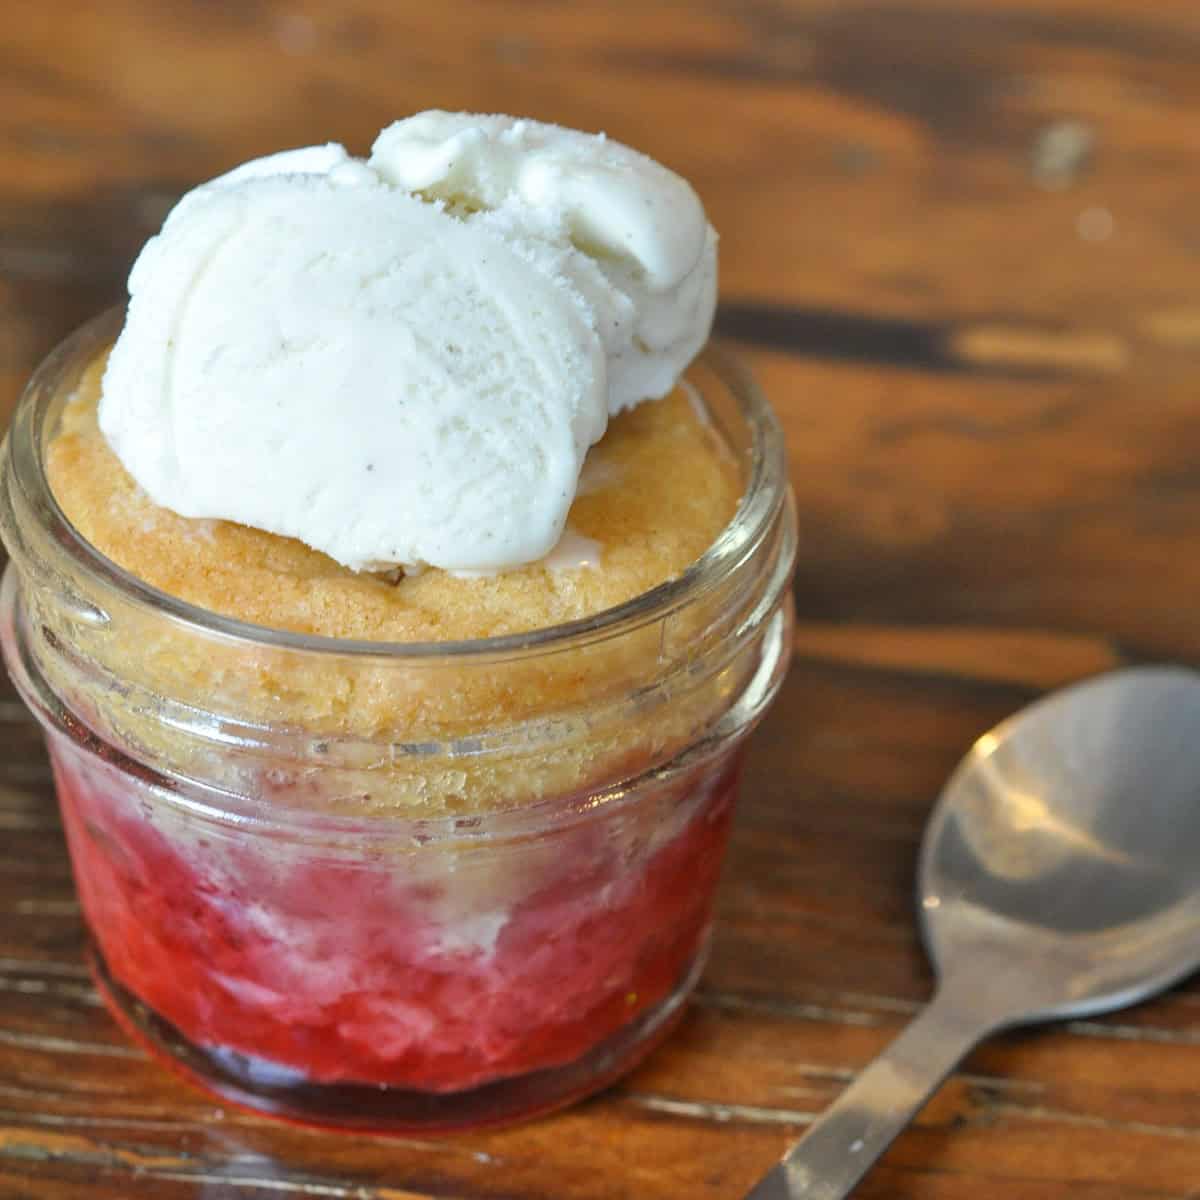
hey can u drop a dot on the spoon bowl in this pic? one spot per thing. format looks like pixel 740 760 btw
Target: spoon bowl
pixel 1071 833
pixel 1059 877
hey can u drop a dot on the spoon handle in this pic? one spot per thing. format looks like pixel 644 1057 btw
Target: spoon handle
pixel 866 1118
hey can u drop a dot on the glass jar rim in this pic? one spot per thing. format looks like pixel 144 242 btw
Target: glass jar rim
pixel 762 496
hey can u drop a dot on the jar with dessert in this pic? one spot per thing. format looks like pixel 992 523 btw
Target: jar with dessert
pixel 397 580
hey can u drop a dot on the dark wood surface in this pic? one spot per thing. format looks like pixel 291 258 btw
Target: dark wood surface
pixel 961 246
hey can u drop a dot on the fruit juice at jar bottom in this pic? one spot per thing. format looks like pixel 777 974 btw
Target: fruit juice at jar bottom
pixel 298 965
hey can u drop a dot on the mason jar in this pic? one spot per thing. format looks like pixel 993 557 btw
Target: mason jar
pixel 396 886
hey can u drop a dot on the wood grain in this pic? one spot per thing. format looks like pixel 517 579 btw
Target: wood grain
pixel 960 248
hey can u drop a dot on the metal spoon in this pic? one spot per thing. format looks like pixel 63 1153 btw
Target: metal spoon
pixel 1059 877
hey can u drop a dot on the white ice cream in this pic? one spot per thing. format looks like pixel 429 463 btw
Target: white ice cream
pixel 403 360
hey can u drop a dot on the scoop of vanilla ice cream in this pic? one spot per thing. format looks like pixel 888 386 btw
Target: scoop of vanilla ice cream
pixel 632 235
pixel 403 360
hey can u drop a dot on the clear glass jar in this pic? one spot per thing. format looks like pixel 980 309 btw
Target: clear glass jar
pixel 454 915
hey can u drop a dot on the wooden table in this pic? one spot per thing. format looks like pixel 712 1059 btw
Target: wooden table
pixel 961 247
